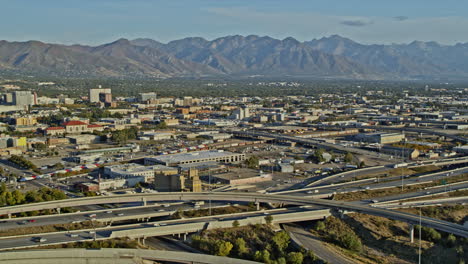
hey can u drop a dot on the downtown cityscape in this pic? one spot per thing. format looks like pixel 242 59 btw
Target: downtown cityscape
pixel 230 142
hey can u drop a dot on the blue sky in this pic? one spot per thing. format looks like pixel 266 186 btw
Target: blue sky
pixel 100 21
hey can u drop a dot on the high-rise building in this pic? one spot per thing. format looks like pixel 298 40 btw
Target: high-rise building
pixel 147 96
pixel 193 181
pixel 105 98
pixel 94 93
pixel 241 113
pixel 23 98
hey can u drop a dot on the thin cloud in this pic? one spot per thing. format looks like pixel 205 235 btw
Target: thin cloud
pixel 401 18
pixel 355 23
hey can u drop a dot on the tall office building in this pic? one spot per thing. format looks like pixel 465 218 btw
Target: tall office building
pixel 105 98
pixel 147 96
pixel 94 93
pixel 241 113
pixel 193 181
pixel 24 98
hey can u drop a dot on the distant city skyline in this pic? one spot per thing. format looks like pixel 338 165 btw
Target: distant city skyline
pixel 95 22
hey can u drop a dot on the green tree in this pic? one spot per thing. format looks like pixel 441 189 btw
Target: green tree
pixel 269 219
pixel 451 240
pixel 3 188
pixel 295 257
pixel 222 248
pixel 161 125
pixel 362 164
pixel 240 247
pixel 320 226
pixel 235 223
pixel 281 240
pixel 19 197
pixel 262 256
pixel 318 155
pixel 40 146
pixel 350 241
pixel 348 157
pixel 281 260
pixel 252 162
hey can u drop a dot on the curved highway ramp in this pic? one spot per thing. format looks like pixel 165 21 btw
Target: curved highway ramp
pixel 111 256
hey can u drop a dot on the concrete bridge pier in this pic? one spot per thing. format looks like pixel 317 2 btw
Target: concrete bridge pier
pixel 411 232
pixel 9 215
pixel 143 201
pixel 58 210
pixel 185 237
pixel 258 205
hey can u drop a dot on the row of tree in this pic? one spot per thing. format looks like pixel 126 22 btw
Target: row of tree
pixel 16 197
pixel 22 162
pixel 336 231
pixel 255 242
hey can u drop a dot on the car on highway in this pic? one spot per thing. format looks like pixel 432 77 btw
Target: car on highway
pixel 109 212
pixel 39 239
pixel 32 220
pixel 120 214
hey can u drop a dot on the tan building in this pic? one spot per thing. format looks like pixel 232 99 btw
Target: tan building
pixel 75 127
pixel 55 131
pixel 25 121
pixel 193 182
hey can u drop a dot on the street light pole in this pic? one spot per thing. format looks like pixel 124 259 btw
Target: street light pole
pixel 209 187
pixel 419 255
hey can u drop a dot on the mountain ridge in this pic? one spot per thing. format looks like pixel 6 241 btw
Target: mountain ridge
pixel 239 56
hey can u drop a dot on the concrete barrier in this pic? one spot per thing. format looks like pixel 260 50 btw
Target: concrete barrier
pixel 342 173
pixel 108 256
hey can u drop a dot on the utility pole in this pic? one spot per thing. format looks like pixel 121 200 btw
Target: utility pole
pixel 402 179
pixel 209 188
pixel 419 255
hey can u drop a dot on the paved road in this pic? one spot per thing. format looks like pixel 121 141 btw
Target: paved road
pixel 105 232
pixel 245 197
pixel 404 129
pixel 165 243
pixel 125 213
pixel 112 256
pixel 310 242
pixel 428 192
pixel 388 182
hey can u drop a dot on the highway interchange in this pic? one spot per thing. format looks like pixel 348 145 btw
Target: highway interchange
pixel 148 208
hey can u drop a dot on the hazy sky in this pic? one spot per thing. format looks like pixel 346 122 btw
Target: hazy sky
pixel 101 21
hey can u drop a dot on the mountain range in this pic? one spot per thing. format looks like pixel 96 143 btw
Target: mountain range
pixel 239 56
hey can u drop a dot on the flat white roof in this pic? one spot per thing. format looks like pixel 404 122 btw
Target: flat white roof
pixel 182 157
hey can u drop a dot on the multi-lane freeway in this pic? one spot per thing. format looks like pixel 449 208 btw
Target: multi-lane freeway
pixel 111 256
pixel 158 228
pixel 245 197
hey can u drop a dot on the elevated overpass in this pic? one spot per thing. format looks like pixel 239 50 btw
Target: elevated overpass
pixel 461 139
pixel 242 197
pixel 310 142
pixel 110 256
